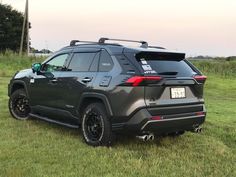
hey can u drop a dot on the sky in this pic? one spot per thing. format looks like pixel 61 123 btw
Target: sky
pixel 196 27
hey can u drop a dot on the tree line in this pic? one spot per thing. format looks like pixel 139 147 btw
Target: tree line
pixel 11 22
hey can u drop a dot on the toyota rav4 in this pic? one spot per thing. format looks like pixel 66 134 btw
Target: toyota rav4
pixel 108 88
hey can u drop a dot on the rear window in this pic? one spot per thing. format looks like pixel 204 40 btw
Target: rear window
pixel 166 64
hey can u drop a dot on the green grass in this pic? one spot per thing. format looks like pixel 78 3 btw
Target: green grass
pixel 36 148
pixel 11 62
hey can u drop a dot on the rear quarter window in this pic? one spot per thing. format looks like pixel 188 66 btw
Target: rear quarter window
pixel 126 65
pixel 106 63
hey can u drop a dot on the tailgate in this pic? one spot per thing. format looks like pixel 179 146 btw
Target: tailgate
pixel 173 92
pixel 177 86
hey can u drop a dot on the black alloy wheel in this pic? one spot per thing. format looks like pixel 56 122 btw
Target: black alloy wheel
pixel 19 105
pixel 94 126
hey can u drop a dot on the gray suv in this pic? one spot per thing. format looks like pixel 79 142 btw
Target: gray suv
pixel 107 88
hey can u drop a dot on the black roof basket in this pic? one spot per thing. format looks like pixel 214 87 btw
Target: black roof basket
pixel 73 42
pixel 103 40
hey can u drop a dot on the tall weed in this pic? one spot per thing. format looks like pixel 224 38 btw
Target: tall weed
pixel 219 67
pixel 11 62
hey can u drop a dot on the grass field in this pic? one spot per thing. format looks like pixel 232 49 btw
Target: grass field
pixel 34 148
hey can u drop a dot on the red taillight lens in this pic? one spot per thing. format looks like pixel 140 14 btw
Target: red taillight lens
pixel 200 78
pixel 156 118
pixel 137 80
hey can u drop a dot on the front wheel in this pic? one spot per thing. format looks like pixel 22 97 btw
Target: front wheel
pixel 19 105
pixel 96 126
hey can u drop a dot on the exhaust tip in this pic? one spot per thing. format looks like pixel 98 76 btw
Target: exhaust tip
pixel 146 137
pixel 151 137
pixel 197 130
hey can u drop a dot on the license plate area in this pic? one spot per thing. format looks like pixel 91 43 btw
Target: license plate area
pixel 177 92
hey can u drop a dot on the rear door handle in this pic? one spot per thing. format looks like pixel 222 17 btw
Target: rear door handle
pixel 87 79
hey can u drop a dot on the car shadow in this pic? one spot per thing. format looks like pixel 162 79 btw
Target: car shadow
pixel 130 142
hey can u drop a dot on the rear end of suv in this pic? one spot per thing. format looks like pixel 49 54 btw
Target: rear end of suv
pixel 165 91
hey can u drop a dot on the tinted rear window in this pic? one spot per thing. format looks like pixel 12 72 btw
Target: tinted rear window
pixel 167 65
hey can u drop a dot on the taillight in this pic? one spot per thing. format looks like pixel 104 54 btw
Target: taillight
pixel 200 78
pixel 138 80
pixel 156 118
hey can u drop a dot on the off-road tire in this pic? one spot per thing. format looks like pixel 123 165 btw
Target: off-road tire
pixel 96 125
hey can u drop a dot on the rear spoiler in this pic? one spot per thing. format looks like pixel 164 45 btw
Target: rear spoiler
pixel 160 56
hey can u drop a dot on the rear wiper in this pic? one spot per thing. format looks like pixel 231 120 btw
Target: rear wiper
pixel 168 73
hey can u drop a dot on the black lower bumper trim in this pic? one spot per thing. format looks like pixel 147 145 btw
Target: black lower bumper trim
pixel 172 125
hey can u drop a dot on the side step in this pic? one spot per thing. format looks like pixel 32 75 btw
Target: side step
pixel 53 121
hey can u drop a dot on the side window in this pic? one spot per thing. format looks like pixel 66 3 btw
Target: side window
pixel 55 64
pixel 81 61
pixel 94 65
pixel 105 63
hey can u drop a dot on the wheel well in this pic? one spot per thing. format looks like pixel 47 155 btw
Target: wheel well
pixel 16 87
pixel 88 101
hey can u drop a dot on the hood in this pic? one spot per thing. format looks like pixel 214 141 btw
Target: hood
pixel 23 73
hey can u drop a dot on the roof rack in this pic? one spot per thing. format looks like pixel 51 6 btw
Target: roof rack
pixel 73 42
pixel 156 47
pixel 103 40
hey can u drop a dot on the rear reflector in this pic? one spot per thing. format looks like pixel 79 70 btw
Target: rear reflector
pixel 200 78
pixel 200 113
pixel 137 80
pixel 156 118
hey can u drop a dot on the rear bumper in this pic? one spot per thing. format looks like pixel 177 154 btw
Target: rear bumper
pixel 142 121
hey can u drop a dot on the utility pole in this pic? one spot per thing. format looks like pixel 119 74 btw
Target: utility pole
pixel 27 27
pixel 26 21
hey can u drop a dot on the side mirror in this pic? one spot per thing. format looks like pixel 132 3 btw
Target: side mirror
pixel 36 67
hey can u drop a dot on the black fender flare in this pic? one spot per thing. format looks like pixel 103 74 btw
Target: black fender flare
pixel 100 96
pixel 18 82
